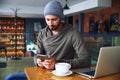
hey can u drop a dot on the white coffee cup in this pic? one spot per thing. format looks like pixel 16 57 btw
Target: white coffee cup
pixel 62 68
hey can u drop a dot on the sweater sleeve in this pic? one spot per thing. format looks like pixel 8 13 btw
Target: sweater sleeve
pixel 82 58
pixel 40 48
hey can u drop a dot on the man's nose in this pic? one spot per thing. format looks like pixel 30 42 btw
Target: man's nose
pixel 50 23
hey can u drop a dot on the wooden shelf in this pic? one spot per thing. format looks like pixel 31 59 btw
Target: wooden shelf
pixel 13 35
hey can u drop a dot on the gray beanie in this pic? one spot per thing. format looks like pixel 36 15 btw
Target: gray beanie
pixel 54 8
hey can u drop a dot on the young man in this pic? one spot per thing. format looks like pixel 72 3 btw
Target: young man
pixel 59 41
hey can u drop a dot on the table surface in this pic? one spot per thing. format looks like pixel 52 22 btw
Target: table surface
pixel 36 73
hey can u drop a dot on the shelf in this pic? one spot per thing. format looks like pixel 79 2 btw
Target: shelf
pixel 13 35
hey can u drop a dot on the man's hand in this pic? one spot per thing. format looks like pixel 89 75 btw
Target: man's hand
pixel 39 62
pixel 49 63
pixel 46 62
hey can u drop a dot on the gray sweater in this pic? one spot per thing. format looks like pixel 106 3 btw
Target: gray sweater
pixel 66 46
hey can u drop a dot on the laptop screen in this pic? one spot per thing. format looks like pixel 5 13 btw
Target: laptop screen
pixel 108 63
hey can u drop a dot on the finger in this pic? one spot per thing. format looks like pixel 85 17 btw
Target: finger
pixel 39 60
pixel 48 56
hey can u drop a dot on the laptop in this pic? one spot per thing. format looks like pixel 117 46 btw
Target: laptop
pixel 107 64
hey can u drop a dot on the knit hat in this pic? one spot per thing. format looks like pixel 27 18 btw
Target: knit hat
pixel 54 8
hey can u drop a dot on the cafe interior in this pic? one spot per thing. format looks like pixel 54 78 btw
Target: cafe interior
pixel 98 22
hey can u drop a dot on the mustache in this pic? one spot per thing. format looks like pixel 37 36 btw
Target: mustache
pixel 54 27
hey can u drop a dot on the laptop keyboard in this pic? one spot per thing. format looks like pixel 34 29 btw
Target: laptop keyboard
pixel 90 73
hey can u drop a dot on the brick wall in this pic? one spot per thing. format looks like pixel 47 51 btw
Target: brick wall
pixel 102 14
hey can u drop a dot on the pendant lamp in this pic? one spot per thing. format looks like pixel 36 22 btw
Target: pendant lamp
pixel 66 6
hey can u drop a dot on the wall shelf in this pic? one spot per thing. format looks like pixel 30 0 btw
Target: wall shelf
pixel 13 35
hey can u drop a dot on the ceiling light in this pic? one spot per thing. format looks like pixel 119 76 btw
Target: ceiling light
pixel 66 6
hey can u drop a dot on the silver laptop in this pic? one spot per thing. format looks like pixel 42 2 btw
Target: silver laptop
pixel 108 63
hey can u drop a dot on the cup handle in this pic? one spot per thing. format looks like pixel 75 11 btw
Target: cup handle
pixel 69 66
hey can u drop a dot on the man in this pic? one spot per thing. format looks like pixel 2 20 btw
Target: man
pixel 59 41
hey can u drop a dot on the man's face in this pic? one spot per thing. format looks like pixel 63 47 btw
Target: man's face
pixel 53 22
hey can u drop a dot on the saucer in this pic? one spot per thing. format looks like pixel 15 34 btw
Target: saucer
pixel 58 74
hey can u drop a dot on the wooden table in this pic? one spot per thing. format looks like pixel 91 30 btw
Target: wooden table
pixel 35 73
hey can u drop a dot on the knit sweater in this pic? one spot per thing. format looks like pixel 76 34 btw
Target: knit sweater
pixel 66 46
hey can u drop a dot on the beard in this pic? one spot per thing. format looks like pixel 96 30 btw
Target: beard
pixel 52 27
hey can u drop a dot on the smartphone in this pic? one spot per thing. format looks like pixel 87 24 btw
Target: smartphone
pixel 43 57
